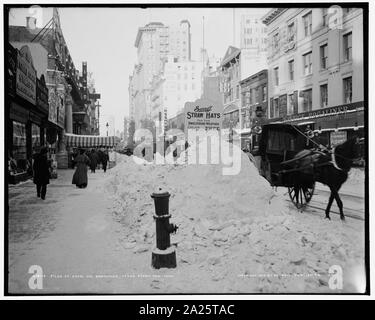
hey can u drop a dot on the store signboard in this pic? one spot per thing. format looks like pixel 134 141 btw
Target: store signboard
pixel 42 94
pixel 52 101
pixel 61 113
pixel 26 76
pixel 338 137
pixel 12 69
pixel 203 114
pixel 325 112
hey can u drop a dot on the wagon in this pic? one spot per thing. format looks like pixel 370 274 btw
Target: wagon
pixel 278 146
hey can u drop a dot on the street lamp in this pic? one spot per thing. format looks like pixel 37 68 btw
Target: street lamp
pixel 107 125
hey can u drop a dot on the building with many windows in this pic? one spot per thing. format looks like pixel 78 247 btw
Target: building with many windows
pixel 315 70
pixel 253 40
pixel 253 108
pixel 178 83
pixel 154 43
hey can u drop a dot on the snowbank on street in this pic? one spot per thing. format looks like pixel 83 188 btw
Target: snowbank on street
pixel 236 233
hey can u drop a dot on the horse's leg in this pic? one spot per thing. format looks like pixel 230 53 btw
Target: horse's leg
pixel 339 204
pixel 329 206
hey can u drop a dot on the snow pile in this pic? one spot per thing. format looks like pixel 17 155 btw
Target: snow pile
pixel 236 234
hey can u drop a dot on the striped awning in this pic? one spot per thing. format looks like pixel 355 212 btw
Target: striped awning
pixel 83 141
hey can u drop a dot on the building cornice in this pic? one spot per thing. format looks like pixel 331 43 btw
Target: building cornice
pixel 272 15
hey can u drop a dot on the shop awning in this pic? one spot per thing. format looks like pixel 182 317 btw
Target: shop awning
pixel 84 141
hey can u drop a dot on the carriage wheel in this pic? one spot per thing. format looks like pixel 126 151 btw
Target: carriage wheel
pixel 301 196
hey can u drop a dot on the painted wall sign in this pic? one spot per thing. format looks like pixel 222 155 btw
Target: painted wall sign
pixel 26 76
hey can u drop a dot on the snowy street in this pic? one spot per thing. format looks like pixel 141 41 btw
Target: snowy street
pixel 236 234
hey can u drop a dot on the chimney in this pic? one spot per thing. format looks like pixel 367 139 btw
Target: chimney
pixel 31 23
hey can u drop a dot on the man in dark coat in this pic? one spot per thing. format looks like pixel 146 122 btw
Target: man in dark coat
pixel 105 159
pixel 93 160
pixel 41 173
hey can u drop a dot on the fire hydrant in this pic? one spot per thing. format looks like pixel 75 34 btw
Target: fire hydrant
pixel 164 255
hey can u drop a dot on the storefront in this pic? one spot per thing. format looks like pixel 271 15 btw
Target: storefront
pixel 27 114
pixel 331 126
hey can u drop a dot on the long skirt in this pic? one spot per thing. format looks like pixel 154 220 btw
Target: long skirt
pixel 80 175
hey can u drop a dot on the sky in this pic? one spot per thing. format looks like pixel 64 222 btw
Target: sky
pixel 104 37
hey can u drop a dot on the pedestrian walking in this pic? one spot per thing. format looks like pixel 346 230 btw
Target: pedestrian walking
pixel 80 175
pixel 41 173
pixel 93 160
pixel 105 159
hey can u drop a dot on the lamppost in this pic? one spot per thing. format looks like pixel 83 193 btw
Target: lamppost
pixel 107 125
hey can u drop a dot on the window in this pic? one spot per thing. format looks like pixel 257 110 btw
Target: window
pixel 18 161
pixel 323 56
pixel 307 63
pixel 291 69
pixel 276 107
pixel 348 90
pixel 192 86
pixel 290 103
pixel 324 96
pixel 307 24
pixel 185 76
pixel 276 75
pixel 276 41
pixel 291 32
pixel 185 86
pixel 35 132
pixel 264 93
pixel 257 100
pixel 348 46
pixel 307 100
pixel 237 92
pixel 325 17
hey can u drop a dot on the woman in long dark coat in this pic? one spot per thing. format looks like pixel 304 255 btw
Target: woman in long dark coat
pixel 80 175
pixel 41 173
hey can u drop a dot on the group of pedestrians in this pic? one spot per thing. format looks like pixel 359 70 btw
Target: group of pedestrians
pixel 82 160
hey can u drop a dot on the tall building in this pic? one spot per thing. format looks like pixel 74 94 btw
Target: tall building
pixel 253 42
pixel 316 76
pixel 154 43
pixel 179 83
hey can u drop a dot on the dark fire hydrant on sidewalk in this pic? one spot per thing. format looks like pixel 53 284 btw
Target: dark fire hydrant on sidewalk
pixel 164 255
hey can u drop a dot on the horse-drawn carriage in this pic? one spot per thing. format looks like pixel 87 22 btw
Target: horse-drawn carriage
pixel 279 143
pixel 290 158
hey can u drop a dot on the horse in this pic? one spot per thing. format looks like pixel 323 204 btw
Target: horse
pixel 330 167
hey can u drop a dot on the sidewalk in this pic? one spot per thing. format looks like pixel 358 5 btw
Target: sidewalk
pixel 73 237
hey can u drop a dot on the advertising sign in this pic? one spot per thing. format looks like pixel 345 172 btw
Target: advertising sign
pixel 12 69
pixel 203 114
pixel 42 94
pixel 61 113
pixel 338 137
pixel 26 76
pixel 52 101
